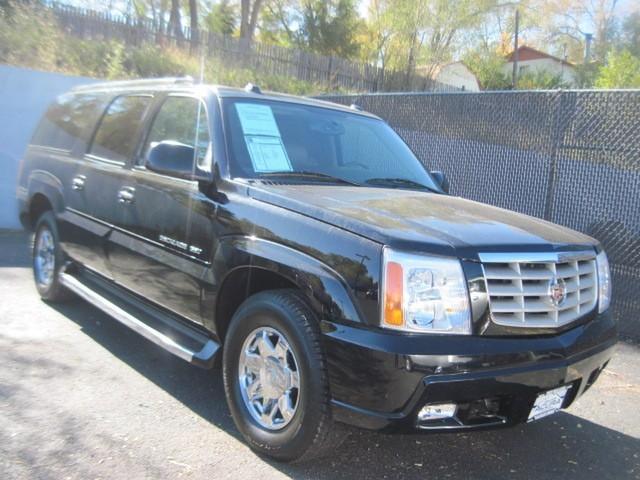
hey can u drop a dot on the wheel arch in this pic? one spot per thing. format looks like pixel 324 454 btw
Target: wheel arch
pixel 255 265
pixel 45 193
pixel 37 206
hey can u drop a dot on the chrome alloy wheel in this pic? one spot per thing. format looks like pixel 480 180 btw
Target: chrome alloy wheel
pixel 45 257
pixel 269 378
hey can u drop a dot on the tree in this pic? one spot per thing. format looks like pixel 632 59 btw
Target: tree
pixel 630 34
pixel 159 12
pixel 175 20
pixel 565 22
pixel 487 65
pixel 378 34
pixel 329 27
pixel 602 16
pixel 222 18
pixel 326 27
pixel 428 32
pixel 193 16
pixel 585 74
pixel 277 22
pixel 621 71
pixel 249 12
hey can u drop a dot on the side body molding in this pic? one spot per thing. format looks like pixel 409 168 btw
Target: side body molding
pixel 326 291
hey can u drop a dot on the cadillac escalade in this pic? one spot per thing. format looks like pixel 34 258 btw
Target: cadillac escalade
pixel 302 246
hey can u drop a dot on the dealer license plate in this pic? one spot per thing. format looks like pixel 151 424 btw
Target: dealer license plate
pixel 548 402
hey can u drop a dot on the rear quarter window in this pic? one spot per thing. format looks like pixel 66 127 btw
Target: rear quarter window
pixel 69 121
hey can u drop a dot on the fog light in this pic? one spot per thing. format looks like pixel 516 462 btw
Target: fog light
pixel 437 412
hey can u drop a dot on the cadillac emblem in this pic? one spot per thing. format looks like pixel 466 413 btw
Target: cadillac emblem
pixel 557 291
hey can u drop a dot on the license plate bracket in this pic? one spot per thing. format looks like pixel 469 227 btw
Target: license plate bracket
pixel 548 403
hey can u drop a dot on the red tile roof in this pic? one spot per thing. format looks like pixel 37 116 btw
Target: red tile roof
pixel 527 53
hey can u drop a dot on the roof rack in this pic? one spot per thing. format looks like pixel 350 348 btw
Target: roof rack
pixel 146 82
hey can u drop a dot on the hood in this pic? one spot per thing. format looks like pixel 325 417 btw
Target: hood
pixel 422 221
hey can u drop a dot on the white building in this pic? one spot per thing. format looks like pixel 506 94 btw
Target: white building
pixel 533 61
pixel 455 74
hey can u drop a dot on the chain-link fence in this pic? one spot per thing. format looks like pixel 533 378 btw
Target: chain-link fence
pixel 571 157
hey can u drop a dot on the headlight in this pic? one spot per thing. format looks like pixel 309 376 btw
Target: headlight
pixel 604 282
pixel 422 293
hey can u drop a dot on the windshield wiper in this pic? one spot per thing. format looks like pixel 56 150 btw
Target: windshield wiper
pixel 309 174
pixel 398 182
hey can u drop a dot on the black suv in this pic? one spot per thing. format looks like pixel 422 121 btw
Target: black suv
pixel 304 244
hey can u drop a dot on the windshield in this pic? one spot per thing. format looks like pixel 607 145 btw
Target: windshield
pixel 308 143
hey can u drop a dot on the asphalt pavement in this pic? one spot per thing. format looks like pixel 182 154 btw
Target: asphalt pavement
pixel 82 397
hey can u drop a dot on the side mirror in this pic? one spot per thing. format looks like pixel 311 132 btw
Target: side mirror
pixel 442 180
pixel 176 159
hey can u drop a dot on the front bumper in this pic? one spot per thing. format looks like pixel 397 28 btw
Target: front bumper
pixel 380 380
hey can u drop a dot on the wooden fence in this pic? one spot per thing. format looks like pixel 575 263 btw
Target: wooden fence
pixel 332 73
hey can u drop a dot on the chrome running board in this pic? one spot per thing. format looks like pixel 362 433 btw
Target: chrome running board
pixel 202 357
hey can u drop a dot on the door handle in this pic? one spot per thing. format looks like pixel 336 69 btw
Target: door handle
pixel 126 195
pixel 78 182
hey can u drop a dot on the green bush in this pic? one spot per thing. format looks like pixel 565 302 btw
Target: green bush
pixel 94 59
pixel 621 71
pixel 488 68
pixel 541 80
pixel 153 61
pixel 29 38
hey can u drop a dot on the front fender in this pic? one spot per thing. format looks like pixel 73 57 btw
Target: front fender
pixel 326 291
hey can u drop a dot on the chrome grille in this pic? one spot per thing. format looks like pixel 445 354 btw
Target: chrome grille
pixel 520 287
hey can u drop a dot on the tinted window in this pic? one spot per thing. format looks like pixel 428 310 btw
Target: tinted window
pixel 184 120
pixel 69 120
pixel 117 134
pixel 268 137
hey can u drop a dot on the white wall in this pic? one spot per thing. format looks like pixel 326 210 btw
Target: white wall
pixel 543 64
pixel 24 96
pixel 458 75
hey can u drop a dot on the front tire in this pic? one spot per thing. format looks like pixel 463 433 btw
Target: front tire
pixel 48 260
pixel 275 378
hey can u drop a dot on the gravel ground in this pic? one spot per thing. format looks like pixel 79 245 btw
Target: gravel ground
pixel 83 397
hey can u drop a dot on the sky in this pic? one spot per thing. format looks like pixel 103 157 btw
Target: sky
pixel 363 8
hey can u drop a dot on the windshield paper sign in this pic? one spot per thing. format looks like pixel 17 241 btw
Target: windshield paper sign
pixel 262 138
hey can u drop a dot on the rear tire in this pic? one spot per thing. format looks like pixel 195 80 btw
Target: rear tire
pixel 287 416
pixel 48 259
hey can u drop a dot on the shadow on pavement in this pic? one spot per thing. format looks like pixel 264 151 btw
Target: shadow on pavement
pixel 15 249
pixel 559 446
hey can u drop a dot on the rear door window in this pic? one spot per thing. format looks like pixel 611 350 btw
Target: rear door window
pixel 117 135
